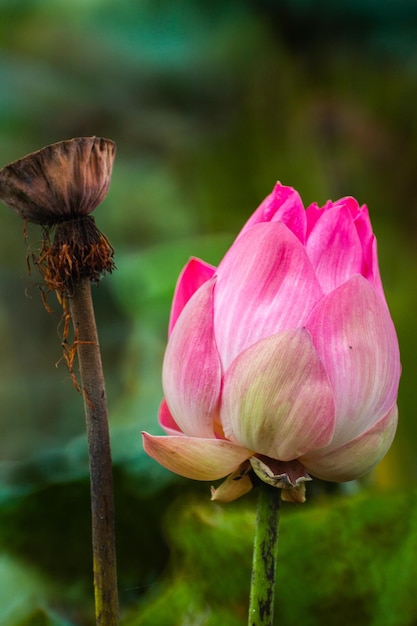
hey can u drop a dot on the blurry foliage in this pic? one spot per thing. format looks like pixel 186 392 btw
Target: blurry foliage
pixel 48 531
pixel 209 104
pixel 340 562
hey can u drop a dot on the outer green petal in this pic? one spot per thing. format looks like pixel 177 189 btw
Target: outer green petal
pixel 277 398
pixel 195 457
pixel 356 458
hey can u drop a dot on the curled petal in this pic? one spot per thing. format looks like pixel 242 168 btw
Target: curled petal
pixel 234 486
pixel 191 374
pixel 356 458
pixel 290 477
pixel 279 474
pixel 194 274
pixel 277 398
pixel 265 284
pixel 282 205
pixel 355 338
pixel 295 494
pixel 194 457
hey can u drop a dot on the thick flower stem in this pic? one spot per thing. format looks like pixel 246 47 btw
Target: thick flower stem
pixel 101 482
pixel 265 552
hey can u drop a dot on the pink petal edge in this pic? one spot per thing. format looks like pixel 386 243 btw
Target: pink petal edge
pixel 282 204
pixel 355 338
pixel 166 420
pixel 195 273
pixel 191 373
pixel 356 458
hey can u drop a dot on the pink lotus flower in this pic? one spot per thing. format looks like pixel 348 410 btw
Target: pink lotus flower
pixel 284 360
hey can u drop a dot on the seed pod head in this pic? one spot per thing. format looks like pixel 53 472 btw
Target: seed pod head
pixel 58 187
pixel 60 182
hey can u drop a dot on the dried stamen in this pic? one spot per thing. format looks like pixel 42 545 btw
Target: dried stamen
pixel 79 250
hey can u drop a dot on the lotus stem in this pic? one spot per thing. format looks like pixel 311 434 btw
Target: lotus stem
pixel 265 553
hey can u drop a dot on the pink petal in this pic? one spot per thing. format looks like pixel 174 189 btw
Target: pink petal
pixel 167 421
pixel 191 374
pixel 282 205
pixel 349 203
pixel 334 248
pixel 193 457
pixel 265 284
pixel 356 340
pixel 277 399
pixel 356 458
pixel 363 226
pixel 194 274
pixel 313 214
pixel 370 268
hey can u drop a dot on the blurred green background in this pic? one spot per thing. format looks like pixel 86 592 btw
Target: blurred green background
pixel 209 103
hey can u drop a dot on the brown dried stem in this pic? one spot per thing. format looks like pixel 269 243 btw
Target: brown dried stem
pixel 58 187
pixel 95 404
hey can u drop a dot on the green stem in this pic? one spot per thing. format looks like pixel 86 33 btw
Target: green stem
pixel 101 480
pixel 265 553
